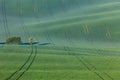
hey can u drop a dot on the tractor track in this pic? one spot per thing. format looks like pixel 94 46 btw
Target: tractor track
pixel 30 64
pixel 93 67
pixel 29 61
pixel 6 29
pixel 83 61
pixel 24 68
pixel 20 16
pixel 85 64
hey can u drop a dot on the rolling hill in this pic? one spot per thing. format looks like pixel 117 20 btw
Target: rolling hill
pixel 83 35
pixel 82 20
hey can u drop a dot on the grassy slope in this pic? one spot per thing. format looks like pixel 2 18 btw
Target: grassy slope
pixel 99 23
pixel 46 7
pixel 99 19
pixel 53 62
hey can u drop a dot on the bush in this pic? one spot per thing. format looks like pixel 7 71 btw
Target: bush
pixel 13 40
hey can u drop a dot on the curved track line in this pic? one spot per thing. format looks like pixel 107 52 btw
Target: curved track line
pixel 29 60
pixel 80 59
pixel 6 29
pixel 33 59
pixel 20 11
pixel 84 63
pixel 22 66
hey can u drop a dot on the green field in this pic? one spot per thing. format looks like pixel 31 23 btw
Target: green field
pixel 84 39
pixel 58 63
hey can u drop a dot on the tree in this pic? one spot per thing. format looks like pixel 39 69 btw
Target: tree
pixel 13 40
